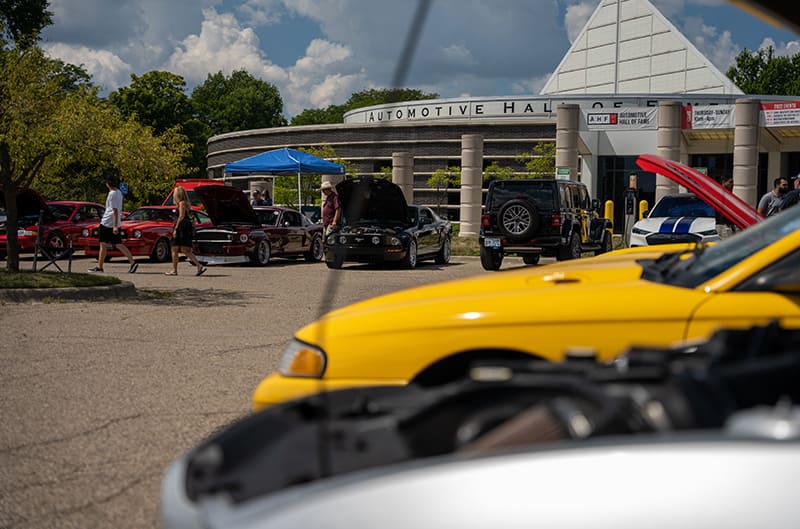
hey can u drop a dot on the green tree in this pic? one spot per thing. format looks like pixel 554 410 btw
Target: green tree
pixel 285 187
pixel 495 171
pixel 385 173
pixel 375 96
pixel 158 100
pixel 238 102
pixel 761 72
pixel 441 179
pixel 21 21
pixel 46 129
pixel 540 162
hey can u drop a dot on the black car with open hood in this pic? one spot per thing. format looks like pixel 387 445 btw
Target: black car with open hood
pixel 237 235
pixel 379 226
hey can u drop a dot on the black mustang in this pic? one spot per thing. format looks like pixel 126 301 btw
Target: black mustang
pixel 379 226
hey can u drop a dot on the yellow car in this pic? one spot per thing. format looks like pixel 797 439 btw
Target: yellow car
pixel 600 305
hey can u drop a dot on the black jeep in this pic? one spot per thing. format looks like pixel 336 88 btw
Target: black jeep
pixel 544 216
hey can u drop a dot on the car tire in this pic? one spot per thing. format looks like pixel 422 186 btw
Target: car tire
pixel 161 251
pixel 262 254
pixel 56 243
pixel 336 261
pixel 531 259
pixel 315 252
pixel 443 257
pixel 491 259
pixel 606 245
pixel 410 260
pixel 572 250
pixel 518 219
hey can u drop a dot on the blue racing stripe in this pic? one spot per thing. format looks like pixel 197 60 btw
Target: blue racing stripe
pixel 684 224
pixel 668 225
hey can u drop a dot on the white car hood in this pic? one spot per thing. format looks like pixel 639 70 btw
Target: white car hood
pixel 676 224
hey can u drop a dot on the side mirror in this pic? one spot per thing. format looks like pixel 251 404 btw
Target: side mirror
pixel 595 204
pixel 645 213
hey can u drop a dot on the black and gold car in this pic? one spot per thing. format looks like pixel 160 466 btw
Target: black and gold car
pixel 378 226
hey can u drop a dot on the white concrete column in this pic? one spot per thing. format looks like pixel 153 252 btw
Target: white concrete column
pixel 669 143
pixel 567 117
pixel 403 173
pixel 745 150
pixel 471 184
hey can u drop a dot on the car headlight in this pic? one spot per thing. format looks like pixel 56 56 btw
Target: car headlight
pixel 376 239
pixel 331 239
pixel 137 234
pixel 639 231
pixel 342 239
pixel 243 237
pixel 394 241
pixel 26 233
pixel 302 360
pixel 709 232
pixel 85 232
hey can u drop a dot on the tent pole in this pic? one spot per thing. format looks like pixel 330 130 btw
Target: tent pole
pixel 299 194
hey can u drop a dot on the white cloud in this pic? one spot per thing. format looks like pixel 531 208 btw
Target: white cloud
pixel 261 12
pixel 783 49
pixel 718 47
pixel 222 45
pixel 576 17
pixel 107 70
pixel 531 86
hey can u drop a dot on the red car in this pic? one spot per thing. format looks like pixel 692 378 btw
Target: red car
pixel 147 231
pixel 62 221
pixel 190 184
pixel 290 233
pixel 237 236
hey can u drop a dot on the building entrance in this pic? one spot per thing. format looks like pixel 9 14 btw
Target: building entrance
pixel 613 177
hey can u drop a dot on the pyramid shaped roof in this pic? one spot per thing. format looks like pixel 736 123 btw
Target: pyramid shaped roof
pixel 629 47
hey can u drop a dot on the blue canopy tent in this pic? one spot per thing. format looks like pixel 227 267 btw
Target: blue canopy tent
pixel 283 162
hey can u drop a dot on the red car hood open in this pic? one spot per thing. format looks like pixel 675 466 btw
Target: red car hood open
pixel 731 207
pixel 227 205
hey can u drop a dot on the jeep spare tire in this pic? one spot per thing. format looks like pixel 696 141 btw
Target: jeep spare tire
pixel 518 219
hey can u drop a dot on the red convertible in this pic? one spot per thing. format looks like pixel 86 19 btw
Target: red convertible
pixel 62 221
pixel 290 233
pixel 146 231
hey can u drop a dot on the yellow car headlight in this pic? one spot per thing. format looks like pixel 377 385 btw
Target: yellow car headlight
pixel 302 360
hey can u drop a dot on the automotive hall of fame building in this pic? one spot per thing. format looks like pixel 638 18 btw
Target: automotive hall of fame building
pixel 631 83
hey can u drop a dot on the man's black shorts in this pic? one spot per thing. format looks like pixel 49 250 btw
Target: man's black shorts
pixel 107 235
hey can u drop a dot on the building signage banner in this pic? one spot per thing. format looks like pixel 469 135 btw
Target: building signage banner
pixel 783 114
pixel 708 117
pixel 634 118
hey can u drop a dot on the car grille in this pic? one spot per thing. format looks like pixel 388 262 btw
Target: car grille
pixel 670 238
pixel 359 240
pixel 212 241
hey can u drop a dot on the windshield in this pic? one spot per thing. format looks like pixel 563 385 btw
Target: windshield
pixel 540 193
pixel 161 215
pixel 682 206
pixel 714 260
pixel 267 217
pixel 60 211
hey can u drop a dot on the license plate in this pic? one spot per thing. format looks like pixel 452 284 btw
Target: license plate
pixel 491 242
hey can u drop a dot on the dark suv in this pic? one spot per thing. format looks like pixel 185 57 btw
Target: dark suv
pixel 545 216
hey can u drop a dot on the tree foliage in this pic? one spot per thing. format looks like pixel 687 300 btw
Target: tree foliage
pixel 376 96
pixel 495 171
pixel 761 72
pixel 158 100
pixel 58 138
pixel 441 179
pixel 21 21
pixel 238 102
pixel 540 162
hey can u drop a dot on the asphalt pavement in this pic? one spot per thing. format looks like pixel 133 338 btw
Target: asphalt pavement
pixel 99 396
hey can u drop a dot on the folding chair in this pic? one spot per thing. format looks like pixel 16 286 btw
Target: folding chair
pixel 49 253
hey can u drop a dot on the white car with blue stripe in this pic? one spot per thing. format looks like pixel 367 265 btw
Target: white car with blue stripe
pixel 676 219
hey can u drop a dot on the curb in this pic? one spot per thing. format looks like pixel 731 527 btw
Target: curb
pixel 126 289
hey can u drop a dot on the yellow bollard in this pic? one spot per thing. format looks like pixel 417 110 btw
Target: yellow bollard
pixel 609 212
pixel 642 208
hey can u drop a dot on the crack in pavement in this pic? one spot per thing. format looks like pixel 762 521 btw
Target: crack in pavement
pixel 70 437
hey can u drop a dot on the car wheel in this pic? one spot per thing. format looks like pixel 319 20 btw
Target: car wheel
pixel 491 259
pixel 443 257
pixel 518 219
pixel 606 245
pixel 571 251
pixel 56 244
pixel 336 261
pixel 161 251
pixel 410 260
pixel 531 259
pixel 263 253
pixel 314 254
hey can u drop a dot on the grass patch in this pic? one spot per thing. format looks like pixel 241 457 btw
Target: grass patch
pixel 28 279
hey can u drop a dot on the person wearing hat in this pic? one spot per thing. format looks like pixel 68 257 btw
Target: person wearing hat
pixel 257 200
pixel 331 209
pixel 109 226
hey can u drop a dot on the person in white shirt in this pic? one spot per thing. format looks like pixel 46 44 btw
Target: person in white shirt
pixel 109 227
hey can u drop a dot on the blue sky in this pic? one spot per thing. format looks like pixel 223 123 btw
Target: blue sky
pixel 318 52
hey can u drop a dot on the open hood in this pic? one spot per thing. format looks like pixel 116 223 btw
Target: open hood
pixel 226 205
pixel 370 199
pixel 731 207
pixel 29 204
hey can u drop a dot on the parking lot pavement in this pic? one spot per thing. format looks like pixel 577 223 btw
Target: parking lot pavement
pixel 99 396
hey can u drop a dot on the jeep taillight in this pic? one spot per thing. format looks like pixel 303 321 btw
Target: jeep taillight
pixel 485 222
pixel 555 220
